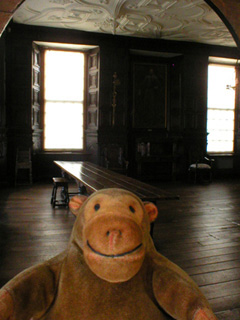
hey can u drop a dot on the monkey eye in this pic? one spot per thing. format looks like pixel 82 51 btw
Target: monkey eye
pixel 131 209
pixel 97 207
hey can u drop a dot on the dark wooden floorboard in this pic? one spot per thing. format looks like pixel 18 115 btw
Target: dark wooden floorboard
pixel 230 314
pixel 200 232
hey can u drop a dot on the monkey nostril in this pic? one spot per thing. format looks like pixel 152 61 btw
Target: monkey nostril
pixel 114 232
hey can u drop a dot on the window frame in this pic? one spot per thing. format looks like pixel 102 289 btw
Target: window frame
pixel 43 49
pixel 231 63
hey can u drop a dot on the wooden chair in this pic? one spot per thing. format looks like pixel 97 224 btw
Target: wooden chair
pixel 201 170
pixel 23 162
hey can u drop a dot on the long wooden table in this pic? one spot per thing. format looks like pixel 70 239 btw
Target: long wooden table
pixel 94 177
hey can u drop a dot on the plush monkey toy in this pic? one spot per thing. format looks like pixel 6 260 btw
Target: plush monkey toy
pixel 110 270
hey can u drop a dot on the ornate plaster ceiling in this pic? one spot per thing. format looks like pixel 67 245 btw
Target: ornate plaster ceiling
pixel 182 20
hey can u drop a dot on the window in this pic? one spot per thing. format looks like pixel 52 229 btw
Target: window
pixel 63 100
pixel 221 108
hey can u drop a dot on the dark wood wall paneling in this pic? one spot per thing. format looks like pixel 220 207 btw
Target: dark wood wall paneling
pixel 114 142
pixel 18 96
pixel 92 107
pixel 3 130
pixel 113 121
pixel 36 99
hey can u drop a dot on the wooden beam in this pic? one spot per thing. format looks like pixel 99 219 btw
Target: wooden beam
pixel 229 12
pixel 7 9
pixel 4 19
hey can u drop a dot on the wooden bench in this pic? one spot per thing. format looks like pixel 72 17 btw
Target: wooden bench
pixel 91 177
pixel 94 177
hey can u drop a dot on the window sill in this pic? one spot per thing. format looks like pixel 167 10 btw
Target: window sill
pixel 51 152
pixel 220 154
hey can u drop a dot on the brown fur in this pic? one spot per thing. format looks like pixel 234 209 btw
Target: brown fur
pixel 110 270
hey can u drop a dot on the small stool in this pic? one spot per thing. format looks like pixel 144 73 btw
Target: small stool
pixel 60 182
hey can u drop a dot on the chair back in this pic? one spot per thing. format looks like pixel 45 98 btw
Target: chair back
pixel 23 161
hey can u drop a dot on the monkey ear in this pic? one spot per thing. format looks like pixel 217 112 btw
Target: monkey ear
pixel 75 203
pixel 151 210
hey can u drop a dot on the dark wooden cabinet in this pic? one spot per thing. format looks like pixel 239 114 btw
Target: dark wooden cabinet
pixel 155 155
pixel 156 91
pixel 155 167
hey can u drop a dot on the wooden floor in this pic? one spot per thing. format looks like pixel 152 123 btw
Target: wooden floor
pixel 200 232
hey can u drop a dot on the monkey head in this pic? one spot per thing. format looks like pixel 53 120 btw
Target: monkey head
pixel 112 229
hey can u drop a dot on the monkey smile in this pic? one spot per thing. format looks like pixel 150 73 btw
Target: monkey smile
pixel 114 255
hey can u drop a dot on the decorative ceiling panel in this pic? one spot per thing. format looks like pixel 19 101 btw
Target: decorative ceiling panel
pixel 183 20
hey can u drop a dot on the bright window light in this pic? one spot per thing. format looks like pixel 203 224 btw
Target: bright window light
pixel 221 106
pixel 64 94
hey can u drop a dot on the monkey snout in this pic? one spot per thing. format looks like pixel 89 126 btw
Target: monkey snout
pixel 112 235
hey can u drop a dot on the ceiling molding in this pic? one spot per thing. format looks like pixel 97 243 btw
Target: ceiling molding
pixel 181 20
